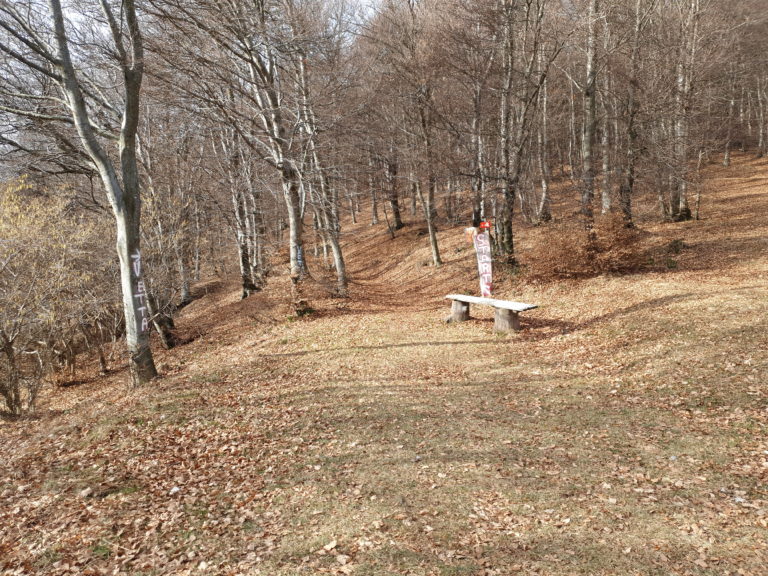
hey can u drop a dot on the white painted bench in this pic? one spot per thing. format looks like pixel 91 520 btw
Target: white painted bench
pixel 506 314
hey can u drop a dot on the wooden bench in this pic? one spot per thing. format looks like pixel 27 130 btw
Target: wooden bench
pixel 506 315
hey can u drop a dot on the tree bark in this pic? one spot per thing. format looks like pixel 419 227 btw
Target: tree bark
pixel 427 205
pixel 506 234
pixel 11 389
pixel 247 284
pixel 626 189
pixel 686 60
pixel 394 201
pixel 329 203
pixel 729 127
pixel 372 191
pixel 478 171
pixel 543 210
pixel 761 129
pixel 590 121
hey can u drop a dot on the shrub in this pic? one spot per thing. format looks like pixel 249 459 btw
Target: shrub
pixel 55 282
pixel 571 251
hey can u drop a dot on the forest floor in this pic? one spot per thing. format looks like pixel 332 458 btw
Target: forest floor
pixel 622 431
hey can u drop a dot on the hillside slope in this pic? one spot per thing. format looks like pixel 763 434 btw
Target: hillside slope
pixel 622 431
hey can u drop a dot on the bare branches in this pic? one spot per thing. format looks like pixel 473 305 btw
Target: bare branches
pixel 20 27
pixel 117 35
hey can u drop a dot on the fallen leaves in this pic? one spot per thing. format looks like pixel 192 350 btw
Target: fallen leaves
pixel 622 431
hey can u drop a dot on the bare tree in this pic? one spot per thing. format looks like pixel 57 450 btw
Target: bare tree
pixel 526 54
pixel 689 17
pixel 37 39
pixel 626 189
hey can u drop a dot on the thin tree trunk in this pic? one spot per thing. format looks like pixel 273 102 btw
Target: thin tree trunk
pixel 729 127
pixel 372 189
pixel 543 211
pixel 605 185
pixel 572 140
pixel 247 284
pixel 352 208
pixel 197 251
pixel 590 121
pixel 605 135
pixel 426 204
pixel 186 293
pixel 760 94
pixel 683 102
pixel 478 179
pixel 11 388
pixel 394 201
pixel 626 189
pixel 505 236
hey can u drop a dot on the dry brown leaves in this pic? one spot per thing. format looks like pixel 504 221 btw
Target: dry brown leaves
pixel 622 431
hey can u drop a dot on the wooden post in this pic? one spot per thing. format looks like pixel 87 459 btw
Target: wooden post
pixel 505 320
pixel 459 311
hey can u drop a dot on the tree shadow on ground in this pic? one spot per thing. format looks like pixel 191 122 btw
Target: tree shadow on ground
pixel 381 347
pixel 566 327
pixel 533 328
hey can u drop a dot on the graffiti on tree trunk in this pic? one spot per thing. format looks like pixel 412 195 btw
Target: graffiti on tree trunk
pixel 142 311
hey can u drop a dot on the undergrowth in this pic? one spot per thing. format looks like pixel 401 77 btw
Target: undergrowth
pixel 570 250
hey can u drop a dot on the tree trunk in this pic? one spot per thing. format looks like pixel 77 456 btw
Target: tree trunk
pixel 590 121
pixel 248 286
pixel 505 233
pixel 686 61
pixel 352 208
pixel 186 292
pixel 572 138
pixel 137 320
pixel 394 201
pixel 372 191
pixel 605 185
pixel 605 136
pixel 761 128
pixel 290 181
pixel 197 251
pixel 478 171
pixel 729 127
pixel 427 204
pixel 125 200
pixel 543 211
pixel 626 189
pixel 11 388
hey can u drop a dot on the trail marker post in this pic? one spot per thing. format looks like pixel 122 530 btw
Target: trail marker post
pixel 481 238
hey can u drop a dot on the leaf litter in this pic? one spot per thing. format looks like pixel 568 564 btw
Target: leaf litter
pixel 622 431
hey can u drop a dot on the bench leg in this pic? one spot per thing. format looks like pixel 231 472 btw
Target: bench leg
pixel 459 311
pixel 506 320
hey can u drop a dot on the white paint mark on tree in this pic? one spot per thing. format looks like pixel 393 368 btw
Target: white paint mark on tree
pixel 142 310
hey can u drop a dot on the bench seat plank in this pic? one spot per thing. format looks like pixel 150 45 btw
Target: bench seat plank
pixel 495 303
